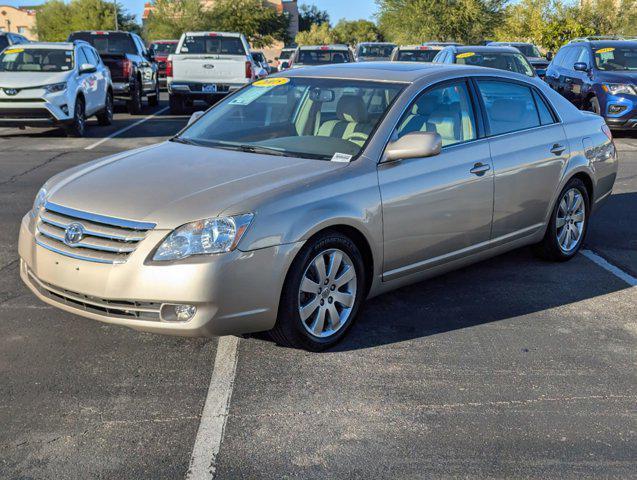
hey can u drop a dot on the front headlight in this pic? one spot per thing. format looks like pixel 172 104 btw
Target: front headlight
pixel 56 87
pixel 204 237
pixel 615 88
pixel 39 202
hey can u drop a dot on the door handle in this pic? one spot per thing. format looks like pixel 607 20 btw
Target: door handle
pixel 480 169
pixel 557 149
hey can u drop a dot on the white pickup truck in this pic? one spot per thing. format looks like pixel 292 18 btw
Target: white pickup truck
pixel 206 65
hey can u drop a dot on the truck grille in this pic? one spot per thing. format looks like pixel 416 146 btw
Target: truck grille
pixel 89 237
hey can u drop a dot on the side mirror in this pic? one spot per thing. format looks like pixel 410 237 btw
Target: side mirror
pixel 549 56
pixel 414 145
pixel 284 65
pixel 580 67
pixel 88 68
pixel 195 116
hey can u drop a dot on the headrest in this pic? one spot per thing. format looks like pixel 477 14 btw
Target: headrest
pixel 351 108
pixel 507 110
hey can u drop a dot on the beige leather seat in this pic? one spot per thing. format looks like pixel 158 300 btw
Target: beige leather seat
pixel 352 123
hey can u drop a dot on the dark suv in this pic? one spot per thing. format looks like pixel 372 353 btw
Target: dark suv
pixel 8 39
pixel 133 68
pixel 599 75
pixel 532 54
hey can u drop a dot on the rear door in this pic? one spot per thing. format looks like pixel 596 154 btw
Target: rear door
pixel 88 81
pixel 529 151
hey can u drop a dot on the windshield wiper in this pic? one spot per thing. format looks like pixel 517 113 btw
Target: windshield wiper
pixel 182 140
pixel 259 149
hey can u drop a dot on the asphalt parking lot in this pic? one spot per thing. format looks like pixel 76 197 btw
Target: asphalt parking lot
pixel 512 368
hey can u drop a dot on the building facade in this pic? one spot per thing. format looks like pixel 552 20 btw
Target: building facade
pixel 18 20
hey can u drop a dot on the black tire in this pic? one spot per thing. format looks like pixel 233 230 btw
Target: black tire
pixel 153 99
pixel 105 117
pixel 176 104
pixel 549 248
pixel 289 330
pixel 134 105
pixel 78 127
pixel 594 106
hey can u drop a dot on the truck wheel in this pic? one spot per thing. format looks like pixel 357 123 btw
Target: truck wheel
pixel 153 99
pixel 135 103
pixel 176 103
pixel 78 127
pixel 105 117
pixel 594 106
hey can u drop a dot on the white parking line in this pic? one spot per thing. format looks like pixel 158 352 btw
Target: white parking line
pixel 203 462
pixel 125 129
pixel 618 272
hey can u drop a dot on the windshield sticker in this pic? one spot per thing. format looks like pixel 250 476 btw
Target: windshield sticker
pixel 249 95
pixel 14 50
pixel 465 55
pixel 605 50
pixel 271 82
pixel 341 157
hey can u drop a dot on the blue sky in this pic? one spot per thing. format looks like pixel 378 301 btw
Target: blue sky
pixel 350 9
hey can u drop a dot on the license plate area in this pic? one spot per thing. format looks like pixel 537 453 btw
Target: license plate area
pixel 209 88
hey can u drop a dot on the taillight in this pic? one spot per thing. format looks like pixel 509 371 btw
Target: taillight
pixel 607 132
pixel 127 68
pixel 169 68
pixel 248 70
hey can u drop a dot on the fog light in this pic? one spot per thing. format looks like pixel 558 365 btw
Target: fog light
pixel 616 108
pixel 65 109
pixel 177 313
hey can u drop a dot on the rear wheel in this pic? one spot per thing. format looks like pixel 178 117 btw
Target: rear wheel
pixel 78 127
pixel 153 100
pixel 176 104
pixel 568 225
pixel 321 295
pixel 105 117
pixel 135 103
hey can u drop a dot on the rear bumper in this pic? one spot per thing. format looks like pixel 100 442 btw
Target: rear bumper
pixel 195 89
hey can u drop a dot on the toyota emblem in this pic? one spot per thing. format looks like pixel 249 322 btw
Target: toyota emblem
pixel 73 234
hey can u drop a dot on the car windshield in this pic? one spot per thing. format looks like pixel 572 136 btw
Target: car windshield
pixel 416 55
pixel 322 57
pixel 298 117
pixel 258 57
pixel 528 50
pixel 376 51
pixel 213 44
pixel 163 49
pixel 36 60
pixel 107 42
pixel 616 58
pixel 513 62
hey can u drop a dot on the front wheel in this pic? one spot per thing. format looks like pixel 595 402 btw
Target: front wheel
pixel 78 127
pixel 135 103
pixel 105 117
pixel 322 294
pixel 568 225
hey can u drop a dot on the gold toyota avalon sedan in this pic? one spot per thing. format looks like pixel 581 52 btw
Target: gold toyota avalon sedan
pixel 290 202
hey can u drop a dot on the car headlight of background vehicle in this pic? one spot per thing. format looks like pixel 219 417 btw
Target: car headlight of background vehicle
pixel 615 88
pixel 40 200
pixel 204 237
pixel 55 87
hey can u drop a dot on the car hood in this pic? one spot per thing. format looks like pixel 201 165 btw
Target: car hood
pixel 171 184
pixel 618 77
pixel 31 79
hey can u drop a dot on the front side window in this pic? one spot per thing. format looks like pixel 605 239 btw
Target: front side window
pixel 299 117
pixel 510 106
pixel 512 62
pixel 36 60
pixel 212 44
pixel 446 110
pixel 322 57
pixel 616 58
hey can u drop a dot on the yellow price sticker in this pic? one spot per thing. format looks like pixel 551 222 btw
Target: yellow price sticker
pixel 605 50
pixel 465 55
pixel 271 82
pixel 14 50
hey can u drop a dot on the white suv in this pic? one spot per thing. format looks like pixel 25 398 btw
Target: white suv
pixel 44 84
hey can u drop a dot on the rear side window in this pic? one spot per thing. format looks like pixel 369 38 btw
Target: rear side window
pixel 559 57
pixel 216 45
pixel 543 110
pixel 570 58
pixel 510 106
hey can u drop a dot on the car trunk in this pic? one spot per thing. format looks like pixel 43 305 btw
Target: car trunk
pixel 210 68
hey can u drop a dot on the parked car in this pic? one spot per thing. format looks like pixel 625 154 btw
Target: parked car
pixel 8 39
pixel 54 84
pixel 600 76
pixel 309 55
pixel 133 68
pixel 532 54
pixel 502 58
pixel 373 51
pixel 260 60
pixel 415 53
pixel 208 65
pixel 161 49
pixel 289 203
pixel 284 58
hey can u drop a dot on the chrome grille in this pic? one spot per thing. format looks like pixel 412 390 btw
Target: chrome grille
pixel 103 239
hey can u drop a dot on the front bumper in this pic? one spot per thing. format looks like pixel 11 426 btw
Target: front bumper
pixel 620 111
pixel 35 112
pixel 235 293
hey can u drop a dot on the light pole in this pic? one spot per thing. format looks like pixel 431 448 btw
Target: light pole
pixel 115 7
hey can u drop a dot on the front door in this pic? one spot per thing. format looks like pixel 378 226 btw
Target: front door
pixel 437 208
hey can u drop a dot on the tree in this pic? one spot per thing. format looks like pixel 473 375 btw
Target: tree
pixel 317 35
pixel 311 15
pixel 170 18
pixel 416 21
pixel 52 21
pixel 356 31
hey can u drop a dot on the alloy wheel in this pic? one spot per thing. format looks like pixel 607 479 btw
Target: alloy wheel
pixel 570 220
pixel 327 293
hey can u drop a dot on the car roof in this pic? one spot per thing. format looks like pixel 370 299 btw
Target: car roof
pixel 51 45
pixel 608 43
pixel 376 43
pixel 504 44
pixel 324 47
pixel 400 72
pixel 165 41
pixel 421 47
pixel 212 33
pixel 485 49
